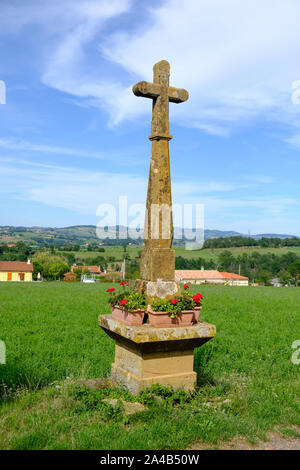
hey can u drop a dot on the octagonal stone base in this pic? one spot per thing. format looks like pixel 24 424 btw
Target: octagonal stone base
pixel 145 355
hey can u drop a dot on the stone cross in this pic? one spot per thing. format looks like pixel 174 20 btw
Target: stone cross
pixel 161 93
pixel 158 259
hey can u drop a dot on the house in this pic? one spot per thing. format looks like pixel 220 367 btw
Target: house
pixel 70 277
pixel 233 279
pixel 211 276
pixel 16 271
pixel 275 282
pixel 94 270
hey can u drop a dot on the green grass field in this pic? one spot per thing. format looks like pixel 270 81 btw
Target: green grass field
pixel 247 382
pixel 132 251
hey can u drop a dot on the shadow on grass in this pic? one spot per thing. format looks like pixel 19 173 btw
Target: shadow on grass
pixel 203 356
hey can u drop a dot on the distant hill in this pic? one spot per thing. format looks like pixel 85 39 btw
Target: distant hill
pixel 82 234
pixel 271 235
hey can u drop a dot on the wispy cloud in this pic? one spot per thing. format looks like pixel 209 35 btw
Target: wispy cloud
pixel 239 68
pixel 82 190
pixel 132 154
pixel 28 146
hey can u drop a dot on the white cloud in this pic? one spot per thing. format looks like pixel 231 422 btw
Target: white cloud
pixel 82 190
pixel 12 144
pixel 238 60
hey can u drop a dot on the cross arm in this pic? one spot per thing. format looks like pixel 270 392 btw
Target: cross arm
pixel 146 89
pixel 177 95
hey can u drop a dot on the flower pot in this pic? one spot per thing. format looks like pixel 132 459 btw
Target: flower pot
pixel 164 320
pixel 122 315
pixel 197 313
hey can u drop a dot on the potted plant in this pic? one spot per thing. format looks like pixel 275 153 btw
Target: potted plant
pixel 183 310
pixel 128 306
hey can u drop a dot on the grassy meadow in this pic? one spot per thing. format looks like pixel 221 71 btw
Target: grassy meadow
pixel 207 253
pixel 247 382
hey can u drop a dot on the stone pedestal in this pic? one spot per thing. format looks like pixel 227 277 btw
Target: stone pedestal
pixel 145 355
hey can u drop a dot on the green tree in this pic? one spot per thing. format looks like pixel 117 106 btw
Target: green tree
pixel 294 270
pixel 284 277
pixel 57 270
pixel 264 277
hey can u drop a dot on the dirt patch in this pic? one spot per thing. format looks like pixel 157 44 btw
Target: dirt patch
pixel 274 442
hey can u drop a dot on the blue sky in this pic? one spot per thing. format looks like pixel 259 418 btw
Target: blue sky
pixel 73 135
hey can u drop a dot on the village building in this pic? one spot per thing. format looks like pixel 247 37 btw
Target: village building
pixel 211 276
pixel 70 277
pixel 94 270
pixel 16 271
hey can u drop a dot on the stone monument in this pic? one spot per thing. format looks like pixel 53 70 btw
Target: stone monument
pixel 158 258
pixel 143 354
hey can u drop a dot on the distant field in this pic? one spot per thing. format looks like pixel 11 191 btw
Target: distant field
pixel 247 382
pixel 118 253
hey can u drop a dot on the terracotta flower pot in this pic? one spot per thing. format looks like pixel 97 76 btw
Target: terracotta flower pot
pixel 164 320
pixel 197 313
pixel 122 315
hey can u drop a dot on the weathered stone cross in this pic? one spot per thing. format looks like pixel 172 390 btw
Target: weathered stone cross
pixel 158 259
pixel 161 93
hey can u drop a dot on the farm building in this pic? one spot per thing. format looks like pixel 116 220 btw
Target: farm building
pixel 211 276
pixel 94 270
pixel 70 277
pixel 16 271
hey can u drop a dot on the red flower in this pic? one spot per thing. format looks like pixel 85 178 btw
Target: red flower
pixel 122 283
pixel 197 298
pixel 112 289
pixel 174 301
pixel 186 286
pixel 123 301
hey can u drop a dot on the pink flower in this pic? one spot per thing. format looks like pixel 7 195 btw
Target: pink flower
pixel 174 301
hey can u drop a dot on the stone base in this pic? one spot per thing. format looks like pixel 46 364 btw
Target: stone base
pixel 145 355
pixel 155 290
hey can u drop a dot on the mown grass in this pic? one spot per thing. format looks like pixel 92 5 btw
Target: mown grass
pixel 247 382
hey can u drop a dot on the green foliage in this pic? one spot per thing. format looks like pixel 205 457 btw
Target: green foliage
pixel 57 270
pixel 51 266
pixel 185 302
pixel 264 242
pixel 253 265
pixel 134 300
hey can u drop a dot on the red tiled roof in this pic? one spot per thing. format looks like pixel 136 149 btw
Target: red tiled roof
pixel 16 266
pixel 92 269
pixel 232 276
pixel 199 274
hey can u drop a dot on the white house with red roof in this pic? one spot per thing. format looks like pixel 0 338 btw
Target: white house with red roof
pixel 210 276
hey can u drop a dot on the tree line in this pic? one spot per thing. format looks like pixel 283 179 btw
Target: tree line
pixel 256 266
pixel 239 241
